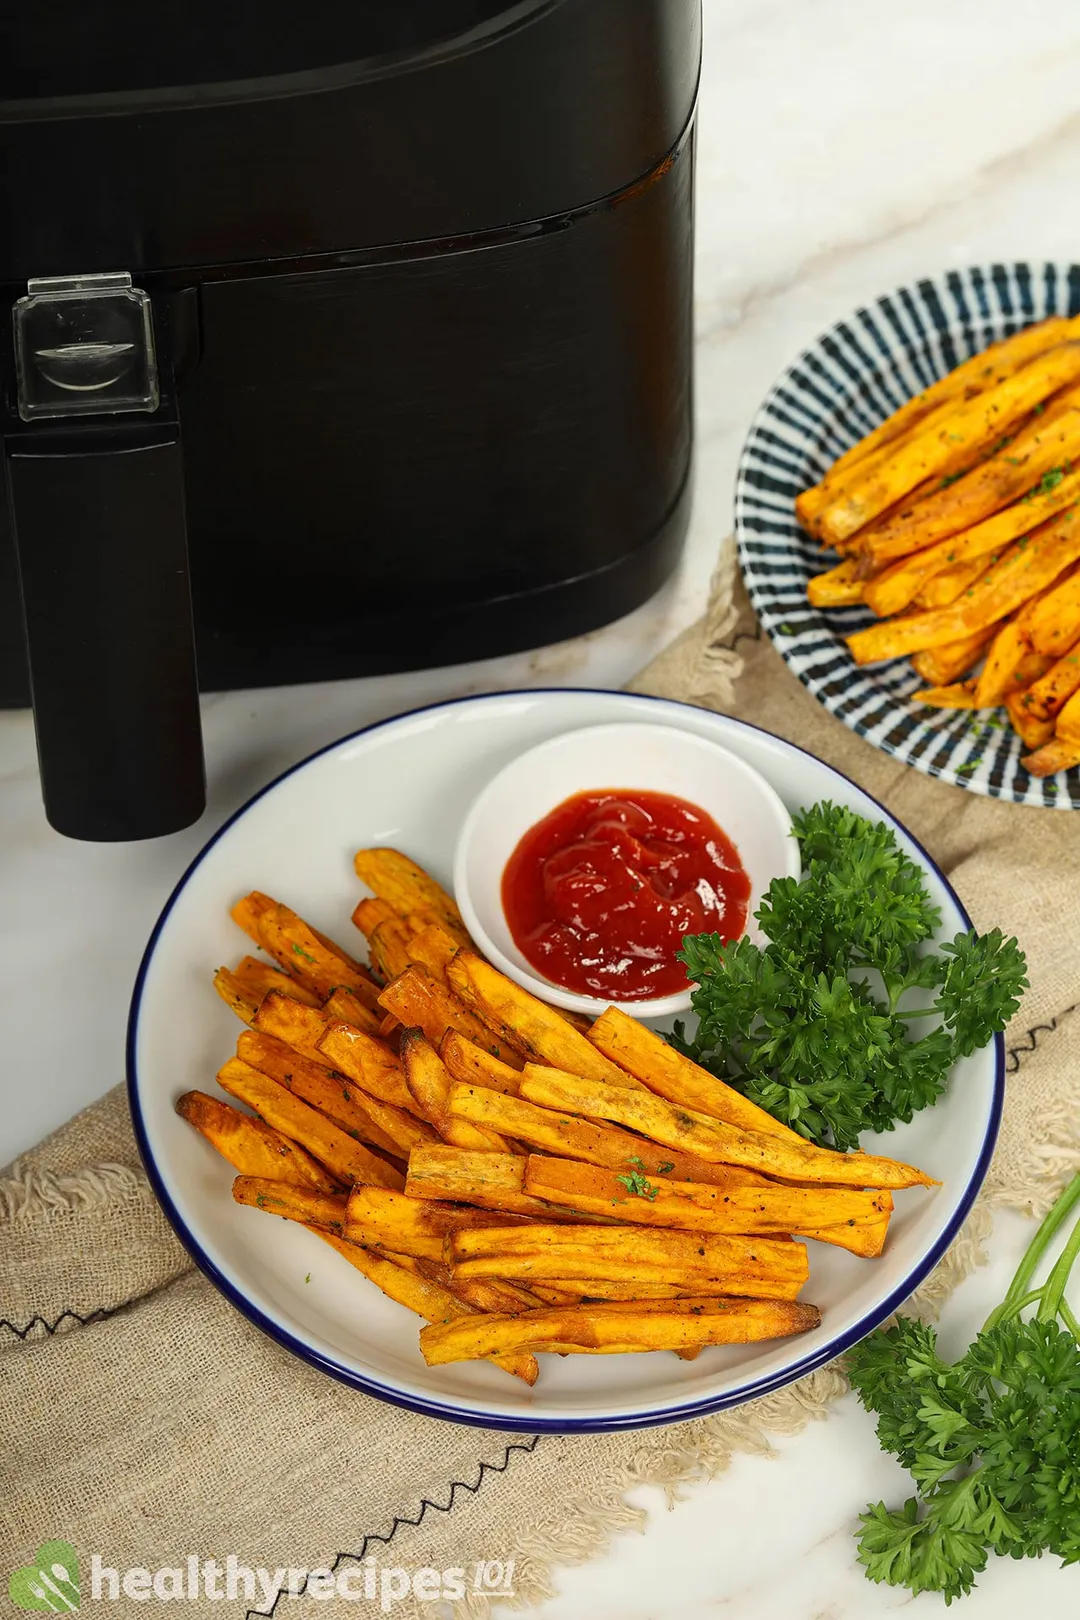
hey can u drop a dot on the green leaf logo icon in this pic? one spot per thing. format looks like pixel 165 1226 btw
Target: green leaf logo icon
pixel 51 1582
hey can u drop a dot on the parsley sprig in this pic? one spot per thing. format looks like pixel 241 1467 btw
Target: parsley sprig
pixel 814 1026
pixel 992 1441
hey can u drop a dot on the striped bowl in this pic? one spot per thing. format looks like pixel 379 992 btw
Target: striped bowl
pixel 854 376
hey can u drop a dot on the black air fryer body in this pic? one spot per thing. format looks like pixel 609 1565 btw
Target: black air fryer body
pixel 419 286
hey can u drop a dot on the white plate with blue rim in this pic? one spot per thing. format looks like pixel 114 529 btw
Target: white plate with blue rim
pixel 840 388
pixel 409 782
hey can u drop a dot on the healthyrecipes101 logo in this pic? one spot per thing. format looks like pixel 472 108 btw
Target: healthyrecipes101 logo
pixel 50 1582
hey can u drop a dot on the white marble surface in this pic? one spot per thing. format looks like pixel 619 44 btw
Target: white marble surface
pixel 845 146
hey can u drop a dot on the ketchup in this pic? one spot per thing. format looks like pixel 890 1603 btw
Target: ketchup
pixel 599 894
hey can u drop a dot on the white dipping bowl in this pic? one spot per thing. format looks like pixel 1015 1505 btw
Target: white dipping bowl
pixel 653 759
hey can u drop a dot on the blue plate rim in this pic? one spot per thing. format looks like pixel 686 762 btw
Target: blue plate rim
pixel 370 1385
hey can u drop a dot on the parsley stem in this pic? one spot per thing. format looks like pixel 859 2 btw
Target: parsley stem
pixel 1025 1271
pixel 1054 1291
pixel 1006 1313
pixel 1070 1320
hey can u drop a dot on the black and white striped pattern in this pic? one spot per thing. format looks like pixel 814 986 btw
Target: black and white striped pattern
pixel 844 385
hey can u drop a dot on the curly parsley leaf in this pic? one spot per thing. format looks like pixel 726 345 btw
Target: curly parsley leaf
pixel 985 976
pixel 811 1024
pixel 992 1440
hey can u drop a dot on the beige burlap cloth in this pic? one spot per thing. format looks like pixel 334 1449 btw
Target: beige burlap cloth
pixel 145 1420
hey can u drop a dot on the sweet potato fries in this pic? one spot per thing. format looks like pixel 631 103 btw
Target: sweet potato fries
pixel 957 521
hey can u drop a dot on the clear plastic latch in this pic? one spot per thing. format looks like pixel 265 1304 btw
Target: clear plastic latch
pixel 84 346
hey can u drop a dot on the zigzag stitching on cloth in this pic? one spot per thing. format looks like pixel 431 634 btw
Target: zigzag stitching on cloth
pixel 1030 1041
pixel 425 1503
pixel 52 1327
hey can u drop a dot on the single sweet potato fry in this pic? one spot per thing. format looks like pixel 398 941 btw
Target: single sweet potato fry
pixel 247 913
pixel 1032 731
pixel 262 977
pixel 389 948
pixel 369 913
pixel 713 1139
pixel 587 1330
pixel 429 1083
pixel 432 947
pixel 301 950
pixel 692 1206
pixel 961 695
pixel 948 585
pixel 596 1290
pixel 1052 757
pixel 237 994
pixel 847 1219
pixel 250 1145
pixel 474 1064
pixel 1051 623
pixel 367 1061
pixel 301 1204
pixel 299 1027
pixel 939 666
pixel 1048 695
pixel 996 679
pixel 837 587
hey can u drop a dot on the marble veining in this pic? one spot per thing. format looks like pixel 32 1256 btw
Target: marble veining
pixel 844 147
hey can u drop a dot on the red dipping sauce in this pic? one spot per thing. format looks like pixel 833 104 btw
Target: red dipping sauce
pixel 599 894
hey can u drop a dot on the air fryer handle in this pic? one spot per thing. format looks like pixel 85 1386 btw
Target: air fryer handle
pixel 101 541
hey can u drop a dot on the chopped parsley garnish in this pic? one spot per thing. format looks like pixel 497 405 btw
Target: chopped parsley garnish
pixel 638 1185
pixel 1049 481
pixel 300 951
